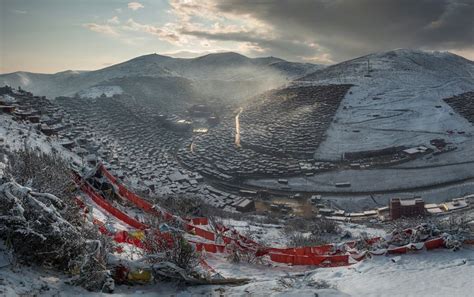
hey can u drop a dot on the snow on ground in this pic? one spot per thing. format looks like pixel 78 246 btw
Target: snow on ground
pixel 401 103
pixel 15 135
pixel 357 230
pixel 20 280
pixel 96 92
pixel 268 234
pixel 274 236
pixel 7 99
pixel 435 273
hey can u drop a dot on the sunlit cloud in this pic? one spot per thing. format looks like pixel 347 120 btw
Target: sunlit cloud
pixel 166 32
pixel 103 29
pixel 135 5
pixel 213 26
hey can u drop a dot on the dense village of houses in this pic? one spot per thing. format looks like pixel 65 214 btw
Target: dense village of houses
pixel 292 121
pixel 144 148
pixel 137 148
pixel 279 134
pixel 269 147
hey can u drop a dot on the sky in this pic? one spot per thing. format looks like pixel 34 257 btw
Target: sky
pixel 49 36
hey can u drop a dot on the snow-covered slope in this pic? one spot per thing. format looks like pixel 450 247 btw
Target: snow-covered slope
pixel 400 103
pixel 225 67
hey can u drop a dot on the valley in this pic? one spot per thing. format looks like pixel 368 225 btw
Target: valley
pixel 332 148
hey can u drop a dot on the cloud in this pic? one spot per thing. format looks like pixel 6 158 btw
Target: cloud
pixel 166 32
pixel 318 31
pixel 191 53
pixel 346 28
pixel 205 22
pixel 127 32
pixel 135 5
pixel 253 43
pixel 104 29
pixel 113 21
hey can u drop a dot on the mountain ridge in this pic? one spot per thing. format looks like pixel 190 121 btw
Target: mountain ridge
pixel 226 67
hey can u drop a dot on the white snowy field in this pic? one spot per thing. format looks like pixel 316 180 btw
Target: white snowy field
pixel 435 273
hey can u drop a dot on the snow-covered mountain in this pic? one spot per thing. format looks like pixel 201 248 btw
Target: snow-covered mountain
pixel 230 71
pixel 444 65
pixel 396 100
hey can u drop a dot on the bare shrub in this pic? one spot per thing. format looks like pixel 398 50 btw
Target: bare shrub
pixel 191 207
pixel 43 224
pixel 235 254
pixel 171 256
pixel 298 239
pixel 181 206
pixel 292 282
pixel 317 226
pixel 316 230
pixel 453 223
pixel 47 173
pixel 31 224
pixel 169 246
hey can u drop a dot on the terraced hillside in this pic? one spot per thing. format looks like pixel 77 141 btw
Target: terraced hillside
pixel 290 121
pixel 280 132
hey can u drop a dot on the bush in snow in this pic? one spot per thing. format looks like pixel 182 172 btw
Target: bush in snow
pixel 47 173
pixel 31 224
pixel 171 256
pixel 298 239
pixel 42 223
pixel 316 230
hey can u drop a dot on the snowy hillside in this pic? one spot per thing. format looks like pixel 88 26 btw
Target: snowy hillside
pixel 400 102
pixel 226 68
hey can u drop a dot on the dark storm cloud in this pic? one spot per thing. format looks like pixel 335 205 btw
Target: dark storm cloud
pixel 346 28
pixel 277 47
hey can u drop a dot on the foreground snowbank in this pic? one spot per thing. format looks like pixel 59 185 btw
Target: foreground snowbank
pixel 434 273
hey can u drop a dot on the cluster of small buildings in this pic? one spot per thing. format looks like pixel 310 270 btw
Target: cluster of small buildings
pixel 398 208
pixel 35 110
pixel 386 156
pixel 215 155
pixel 136 146
pixel 291 121
pixel 464 105
pixel 280 133
pixel 132 142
